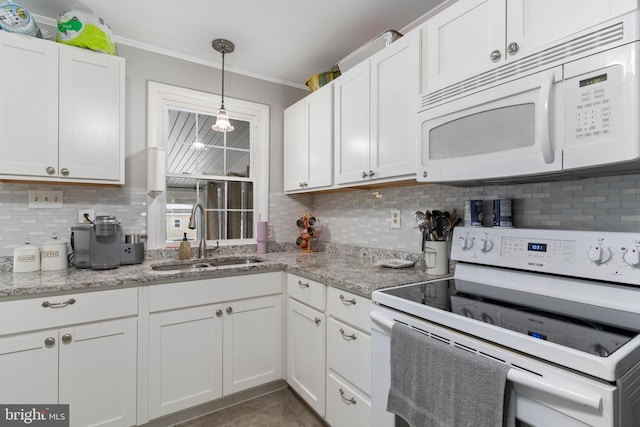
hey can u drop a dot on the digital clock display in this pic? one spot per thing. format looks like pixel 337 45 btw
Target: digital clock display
pixel 593 80
pixel 537 335
pixel 537 247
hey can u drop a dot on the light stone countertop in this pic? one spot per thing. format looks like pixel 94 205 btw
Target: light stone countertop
pixel 353 273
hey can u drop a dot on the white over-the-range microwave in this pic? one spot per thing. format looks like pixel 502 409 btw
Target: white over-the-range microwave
pixel 572 110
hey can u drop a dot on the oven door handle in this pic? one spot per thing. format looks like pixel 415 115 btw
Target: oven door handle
pixel 516 376
pixel 381 321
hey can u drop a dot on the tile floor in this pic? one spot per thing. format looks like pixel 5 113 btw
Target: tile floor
pixel 282 408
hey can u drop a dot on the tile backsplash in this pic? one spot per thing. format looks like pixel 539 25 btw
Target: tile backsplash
pixel 356 217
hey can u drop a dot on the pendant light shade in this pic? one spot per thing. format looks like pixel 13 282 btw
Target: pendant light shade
pixel 222 122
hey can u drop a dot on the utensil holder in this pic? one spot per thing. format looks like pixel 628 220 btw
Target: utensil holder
pixel 436 256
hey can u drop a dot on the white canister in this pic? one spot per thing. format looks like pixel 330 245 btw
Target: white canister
pixel 54 254
pixel 26 258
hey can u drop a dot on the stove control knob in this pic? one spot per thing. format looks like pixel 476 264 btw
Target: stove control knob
pixel 598 350
pixel 598 254
pixel 466 242
pixel 632 257
pixel 486 244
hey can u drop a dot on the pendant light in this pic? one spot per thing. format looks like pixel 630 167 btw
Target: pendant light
pixel 197 145
pixel 222 123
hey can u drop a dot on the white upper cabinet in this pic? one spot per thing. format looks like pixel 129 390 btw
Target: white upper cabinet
pixel 471 37
pixel 61 112
pixel 375 113
pixel 308 142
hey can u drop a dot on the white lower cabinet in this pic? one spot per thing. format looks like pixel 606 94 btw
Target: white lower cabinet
pixel 348 359
pixel 306 354
pixel 211 338
pixel 86 358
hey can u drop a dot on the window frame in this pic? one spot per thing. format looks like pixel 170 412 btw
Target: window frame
pixel 160 98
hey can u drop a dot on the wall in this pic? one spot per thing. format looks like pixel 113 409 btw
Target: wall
pixel 362 217
pixel 129 203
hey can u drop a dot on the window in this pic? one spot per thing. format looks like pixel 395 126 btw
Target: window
pixel 190 163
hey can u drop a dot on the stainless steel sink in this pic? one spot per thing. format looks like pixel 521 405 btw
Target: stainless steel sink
pixel 203 265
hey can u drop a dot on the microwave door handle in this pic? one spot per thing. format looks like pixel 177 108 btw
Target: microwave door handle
pixel 544 129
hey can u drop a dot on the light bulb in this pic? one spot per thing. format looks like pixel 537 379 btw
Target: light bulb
pixel 222 122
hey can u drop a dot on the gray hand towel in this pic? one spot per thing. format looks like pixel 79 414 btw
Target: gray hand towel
pixel 436 384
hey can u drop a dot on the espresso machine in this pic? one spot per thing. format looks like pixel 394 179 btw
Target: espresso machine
pixel 97 245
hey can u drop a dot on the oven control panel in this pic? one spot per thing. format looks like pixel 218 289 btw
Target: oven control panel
pixel 610 256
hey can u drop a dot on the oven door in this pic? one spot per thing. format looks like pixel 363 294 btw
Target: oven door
pixel 503 132
pixel 546 396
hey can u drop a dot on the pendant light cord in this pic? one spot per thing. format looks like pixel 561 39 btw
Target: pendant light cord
pixel 222 79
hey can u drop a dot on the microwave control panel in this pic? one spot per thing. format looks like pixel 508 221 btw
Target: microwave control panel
pixel 593 105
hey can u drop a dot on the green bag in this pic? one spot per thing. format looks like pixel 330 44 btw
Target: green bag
pixel 79 29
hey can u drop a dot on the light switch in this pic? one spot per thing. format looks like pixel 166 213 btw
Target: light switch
pixel 45 199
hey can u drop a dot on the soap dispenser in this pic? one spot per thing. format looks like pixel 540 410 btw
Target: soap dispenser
pixel 185 248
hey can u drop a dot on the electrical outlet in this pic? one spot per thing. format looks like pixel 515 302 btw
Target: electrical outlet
pixel 43 199
pixel 395 218
pixel 90 213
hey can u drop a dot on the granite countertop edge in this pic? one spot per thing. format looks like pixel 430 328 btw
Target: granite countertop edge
pixel 350 273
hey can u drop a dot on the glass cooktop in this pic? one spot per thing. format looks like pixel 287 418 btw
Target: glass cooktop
pixel 579 326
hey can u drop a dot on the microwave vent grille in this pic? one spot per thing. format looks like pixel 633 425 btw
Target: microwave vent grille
pixel 550 57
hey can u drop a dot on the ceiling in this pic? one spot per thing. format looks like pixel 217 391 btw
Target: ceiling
pixel 284 41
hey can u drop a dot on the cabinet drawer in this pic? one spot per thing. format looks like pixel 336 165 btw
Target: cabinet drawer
pixel 349 308
pixel 31 314
pixel 212 291
pixel 349 353
pixel 345 406
pixel 307 291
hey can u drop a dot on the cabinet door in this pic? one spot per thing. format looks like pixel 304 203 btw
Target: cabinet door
pixel 28 105
pixel 459 42
pixel 306 354
pixel 352 121
pixel 91 105
pixel 29 368
pixel 98 372
pixel 252 343
pixel 535 23
pixel 394 99
pixel 296 147
pixel 185 358
pixel 319 109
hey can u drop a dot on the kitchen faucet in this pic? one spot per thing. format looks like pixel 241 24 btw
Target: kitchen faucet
pixel 202 247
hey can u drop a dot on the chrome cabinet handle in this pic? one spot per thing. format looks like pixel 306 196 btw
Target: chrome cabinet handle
pixel 66 338
pixel 64 172
pixel 347 301
pixel 229 310
pixel 303 285
pixel 351 400
pixel 49 341
pixel 513 48
pixel 371 173
pixel 424 174
pixel 58 304
pixel 495 55
pixel 50 170
pixel 218 312
pixel 349 337
pixel 317 320
pixel 364 174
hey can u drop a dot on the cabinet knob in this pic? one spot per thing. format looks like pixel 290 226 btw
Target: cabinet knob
pixel 351 400
pixel 64 172
pixel 317 320
pixel 218 312
pixel 371 173
pixel 66 338
pixel 364 174
pixel 347 301
pixel 49 341
pixel 424 174
pixel 348 337
pixel 50 170
pixel 229 310
pixel 495 55
pixel 513 48
pixel 301 185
